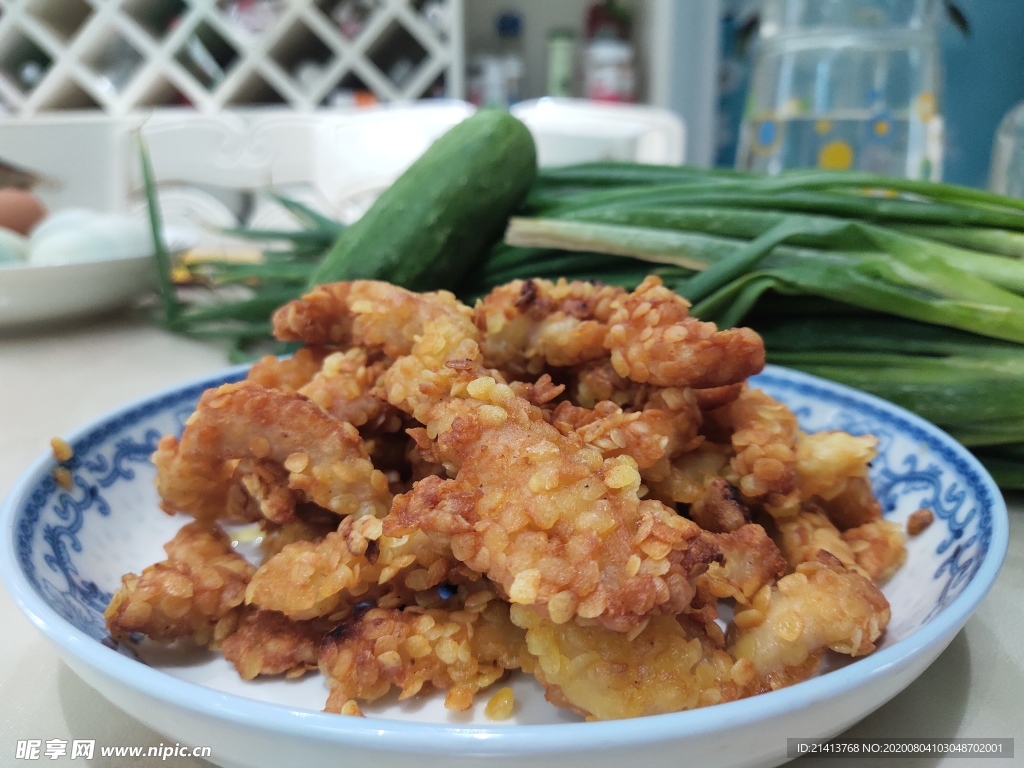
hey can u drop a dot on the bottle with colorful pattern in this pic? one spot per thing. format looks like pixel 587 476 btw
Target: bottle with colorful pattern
pixel 845 84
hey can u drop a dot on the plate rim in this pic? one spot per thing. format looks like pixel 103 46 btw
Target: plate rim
pixel 482 740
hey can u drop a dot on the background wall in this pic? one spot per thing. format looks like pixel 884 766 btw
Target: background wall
pixel 984 78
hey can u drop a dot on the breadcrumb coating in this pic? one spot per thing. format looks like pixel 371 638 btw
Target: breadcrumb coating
pixel 309 579
pixel 819 606
pixel 764 433
pixel 879 547
pixel 201 583
pixel 653 339
pixel 530 324
pixel 460 650
pixel 344 385
pixel 325 459
pixel 366 313
pixel 289 373
pixel 268 643
pixel 666 665
pixel 550 508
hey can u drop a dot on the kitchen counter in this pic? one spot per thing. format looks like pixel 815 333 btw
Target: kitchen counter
pixel 54 380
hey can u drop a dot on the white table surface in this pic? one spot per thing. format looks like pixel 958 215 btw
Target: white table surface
pixel 56 379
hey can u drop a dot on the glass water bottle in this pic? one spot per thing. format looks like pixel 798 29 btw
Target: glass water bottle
pixel 845 84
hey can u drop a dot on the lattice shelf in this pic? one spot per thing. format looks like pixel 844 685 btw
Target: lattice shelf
pixel 122 55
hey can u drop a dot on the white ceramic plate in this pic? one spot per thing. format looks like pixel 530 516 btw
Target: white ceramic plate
pixel 53 293
pixel 64 553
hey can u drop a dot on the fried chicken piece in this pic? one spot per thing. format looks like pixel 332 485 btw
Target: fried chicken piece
pixel 289 373
pixel 308 579
pixel 311 523
pixel 667 665
pixel 826 461
pixel 653 339
pixel 720 509
pixel 269 643
pixel 199 485
pixel 764 433
pixel 460 649
pixel 201 583
pixel 855 506
pixel 879 547
pixel 530 324
pixel 367 313
pixel 325 459
pixel 666 427
pixel 344 388
pixel 545 515
pixel 267 495
pixel 820 606
pixel 689 476
pixel 751 561
pixel 594 382
pixel 802 536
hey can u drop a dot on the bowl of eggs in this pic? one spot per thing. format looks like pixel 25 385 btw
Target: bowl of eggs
pixel 69 264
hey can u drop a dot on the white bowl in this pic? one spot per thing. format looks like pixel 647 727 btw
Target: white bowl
pixel 31 293
pixel 64 552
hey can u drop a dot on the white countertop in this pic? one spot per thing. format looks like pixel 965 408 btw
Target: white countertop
pixel 55 380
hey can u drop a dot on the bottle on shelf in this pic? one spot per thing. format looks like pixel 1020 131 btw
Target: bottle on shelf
pixel 561 62
pixel 609 69
pixel 510 53
pixel 1006 174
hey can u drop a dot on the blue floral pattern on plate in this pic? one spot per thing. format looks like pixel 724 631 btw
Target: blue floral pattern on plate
pixel 61 533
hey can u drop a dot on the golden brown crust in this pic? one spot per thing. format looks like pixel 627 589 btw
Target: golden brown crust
pixel 459 649
pixel 820 606
pixel 764 433
pixel 667 665
pixel 653 339
pixel 201 583
pixel 268 643
pixel 324 460
pixel 289 373
pixel 528 324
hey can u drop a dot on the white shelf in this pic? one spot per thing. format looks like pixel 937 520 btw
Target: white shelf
pixel 206 59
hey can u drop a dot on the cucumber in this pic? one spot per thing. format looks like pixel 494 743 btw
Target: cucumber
pixel 441 217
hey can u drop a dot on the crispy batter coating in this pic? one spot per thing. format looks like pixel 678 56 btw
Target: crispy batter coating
pixel 325 460
pixel 821 605
pixel 855 506
pixel 201 583
pixel 528 324
pixel 826 461
pixel 594 382
pixel 311 523
pixel 366 313
pixel 653 339
pixel 802 536
pixel 879 547
pixel 548 509
pixel 764 433
pixel 751 562
pixel 720 509
pixel 667 665
pixel 289 373
pixel 268 643
pixel 344 388
pixel 459 649
pixel 309 579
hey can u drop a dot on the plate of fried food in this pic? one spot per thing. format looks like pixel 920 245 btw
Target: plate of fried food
pixel 570 525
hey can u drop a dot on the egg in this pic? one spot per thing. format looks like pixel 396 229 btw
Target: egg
pixel 20 210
